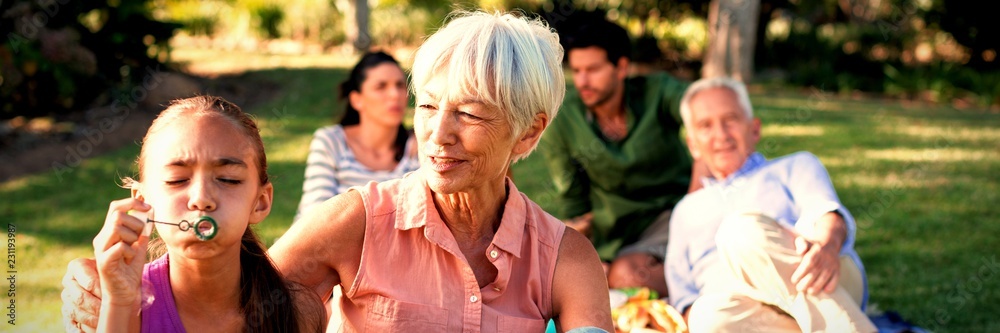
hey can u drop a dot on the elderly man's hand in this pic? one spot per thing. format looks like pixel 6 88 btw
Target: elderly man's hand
pixel 81 296
pixel 819 270
pixel 581 224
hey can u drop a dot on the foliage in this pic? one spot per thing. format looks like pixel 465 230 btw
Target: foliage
pixel 666 34
pixel 394 22
pixel 837 45
pixel 940 48
pixel 60 56
pixel 199 18
pixel 267 19
pixel 972 27
pixel 910 48
pixel 400 24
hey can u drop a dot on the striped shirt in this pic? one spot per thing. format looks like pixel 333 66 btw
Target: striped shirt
pixel 331 167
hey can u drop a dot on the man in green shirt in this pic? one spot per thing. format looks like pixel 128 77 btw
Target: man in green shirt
pixel 616 156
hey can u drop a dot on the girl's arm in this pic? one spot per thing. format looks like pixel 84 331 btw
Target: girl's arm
pixel 120 249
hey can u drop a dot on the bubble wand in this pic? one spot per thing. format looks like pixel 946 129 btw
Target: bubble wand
pixel 204 227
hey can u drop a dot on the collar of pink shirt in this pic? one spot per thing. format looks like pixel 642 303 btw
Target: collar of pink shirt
pixel 420 211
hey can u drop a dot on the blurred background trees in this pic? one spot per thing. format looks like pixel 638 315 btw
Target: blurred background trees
pixel 59 55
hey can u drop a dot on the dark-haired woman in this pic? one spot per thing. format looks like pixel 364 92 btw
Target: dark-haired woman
pixel 370 142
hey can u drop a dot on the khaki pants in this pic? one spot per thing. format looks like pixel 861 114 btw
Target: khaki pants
pixel 751 289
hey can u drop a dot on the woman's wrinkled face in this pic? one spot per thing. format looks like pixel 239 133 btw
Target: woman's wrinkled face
pixel 382 95
pixel 463 143
pixel 203 165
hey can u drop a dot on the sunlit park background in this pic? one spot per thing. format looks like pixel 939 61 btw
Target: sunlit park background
pixel 900 100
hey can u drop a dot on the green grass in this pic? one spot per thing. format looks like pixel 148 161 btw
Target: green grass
pixel 921 182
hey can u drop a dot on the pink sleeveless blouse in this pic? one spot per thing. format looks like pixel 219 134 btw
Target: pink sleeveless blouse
pixel 414 278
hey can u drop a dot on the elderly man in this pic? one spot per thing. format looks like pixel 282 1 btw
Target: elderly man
pixel 765 244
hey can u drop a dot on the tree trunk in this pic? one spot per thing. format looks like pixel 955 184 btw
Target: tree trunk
pixel 732 32
pixel 356 25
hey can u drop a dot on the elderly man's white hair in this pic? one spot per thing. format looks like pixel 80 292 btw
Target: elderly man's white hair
pixel 507 61
pixel 736 87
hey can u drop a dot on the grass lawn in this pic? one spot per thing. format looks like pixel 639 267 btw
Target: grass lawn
pixel 920 180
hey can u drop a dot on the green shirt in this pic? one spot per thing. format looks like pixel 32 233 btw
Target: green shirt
pixel 628 183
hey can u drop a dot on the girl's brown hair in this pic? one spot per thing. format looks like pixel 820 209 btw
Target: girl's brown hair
pixel 266 300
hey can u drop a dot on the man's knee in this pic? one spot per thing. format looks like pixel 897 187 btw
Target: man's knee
pixel 728 312
pixel 739 233
pixel 633 270
pixel 715 312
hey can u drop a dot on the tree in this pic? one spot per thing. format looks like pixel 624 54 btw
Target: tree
pixel 732 36
pixel 356 25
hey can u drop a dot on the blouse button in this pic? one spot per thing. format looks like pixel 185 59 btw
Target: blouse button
pixel 494 254
pixel 473 299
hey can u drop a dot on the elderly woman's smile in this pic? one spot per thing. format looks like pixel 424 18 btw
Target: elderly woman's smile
pixel 442 164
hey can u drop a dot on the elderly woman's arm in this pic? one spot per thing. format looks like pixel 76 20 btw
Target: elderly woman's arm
pixel 579 287
pixel 323 249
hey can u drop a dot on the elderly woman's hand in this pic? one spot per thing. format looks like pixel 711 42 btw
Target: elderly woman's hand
pixel 81 296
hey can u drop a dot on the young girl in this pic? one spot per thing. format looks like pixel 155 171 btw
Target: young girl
pixel 201 157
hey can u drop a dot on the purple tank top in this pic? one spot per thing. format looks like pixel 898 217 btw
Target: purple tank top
pixel 162 315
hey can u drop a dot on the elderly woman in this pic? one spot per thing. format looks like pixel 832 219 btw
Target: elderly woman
pixel 455 246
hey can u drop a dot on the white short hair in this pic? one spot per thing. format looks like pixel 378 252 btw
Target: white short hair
pixel 736 87
pixel 506 60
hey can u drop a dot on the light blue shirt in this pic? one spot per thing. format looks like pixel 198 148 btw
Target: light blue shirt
pixel 795 190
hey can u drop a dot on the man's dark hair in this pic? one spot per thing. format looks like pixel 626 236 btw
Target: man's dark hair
pixel 608 36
